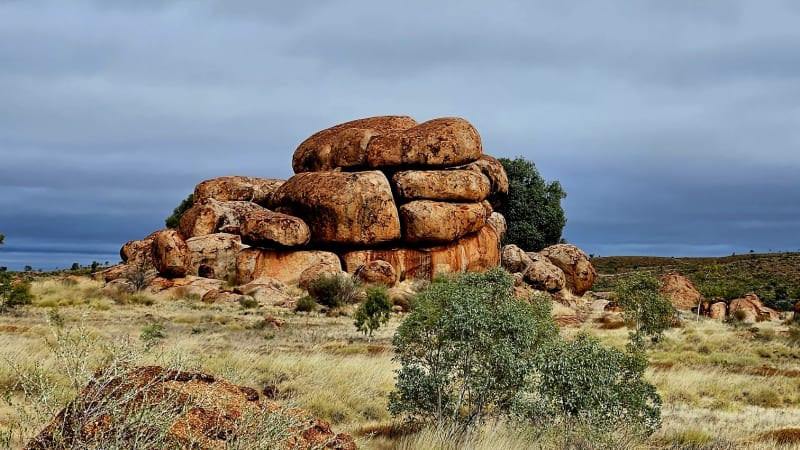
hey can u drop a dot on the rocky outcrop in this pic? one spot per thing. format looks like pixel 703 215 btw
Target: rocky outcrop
pixel 498 222
pixel 264 227
pixel 752 309
pixel 445 142
pixel 442 185
pixel 214 255
pixel 536 270
pixel 680 290
pixel 171 255
pixel 236 188
pixel 493 170
pixel 377 272
pixel 578 270
pixel 343 208
pixel 426 221
pixel 214 216
pixel 718 310
pixel 187 410
pixel 285 266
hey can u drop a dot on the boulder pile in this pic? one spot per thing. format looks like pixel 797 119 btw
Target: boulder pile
pixel 558 267
pixel 384 197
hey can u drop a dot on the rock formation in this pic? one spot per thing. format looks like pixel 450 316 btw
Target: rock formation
pixel 680 290
pixel 578 270
pixel 186 410
pixel 751 309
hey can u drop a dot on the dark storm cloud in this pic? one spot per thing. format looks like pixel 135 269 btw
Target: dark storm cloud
pixel 673 126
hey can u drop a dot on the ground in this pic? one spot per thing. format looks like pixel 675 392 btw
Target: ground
pixel 722 385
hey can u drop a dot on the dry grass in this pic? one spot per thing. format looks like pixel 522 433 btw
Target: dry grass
pixel 723 387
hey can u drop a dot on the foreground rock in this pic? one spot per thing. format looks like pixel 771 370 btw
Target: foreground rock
pixel 284 266
pixel 214 255
pixel 171 254
pixel 681 291
pixel 153 407
pixel 578 270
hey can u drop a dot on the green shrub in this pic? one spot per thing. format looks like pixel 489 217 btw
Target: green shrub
pixel 248 302
pixel 173 220
pixel 305 304
pixel 374 311
pixel 643 305
pixel 152 333
pixel 333 291
pixel 466 350
pixel 13 293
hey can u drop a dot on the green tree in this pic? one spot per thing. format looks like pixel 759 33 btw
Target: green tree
pixel 374 311
pixel 173 220
pixel 466 350
pixel 532 209
pixel 639 297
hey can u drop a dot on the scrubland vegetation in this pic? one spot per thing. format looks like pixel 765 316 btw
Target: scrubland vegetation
pixel 722 386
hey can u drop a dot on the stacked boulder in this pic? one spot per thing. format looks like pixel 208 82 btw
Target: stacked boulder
pixel 555 268
pixel 381 198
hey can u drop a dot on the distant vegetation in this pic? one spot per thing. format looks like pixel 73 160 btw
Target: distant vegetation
pixel 774 277
pixel 533 209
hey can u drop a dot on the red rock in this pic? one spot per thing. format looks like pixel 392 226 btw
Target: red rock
pixel 214 216
pixel 355 208
pixel 214 255
pixel 171 254
pixel 442 185
pixel 236 188
pixel 681 291
pixel 718 310
pixel 319 270
pixel 752 308
pixel 377 272
pixel 444 142
pixel 284 266
pixel 317 152
pixel 578 270
pixel 426 221
pixel 544 275
pixel 498 222
pixel 492 169
pixel 264 227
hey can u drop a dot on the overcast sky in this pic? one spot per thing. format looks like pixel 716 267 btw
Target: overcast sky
pixel 674 126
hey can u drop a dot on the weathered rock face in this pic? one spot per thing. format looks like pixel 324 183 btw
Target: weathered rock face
pixel 195 410
pixel 171 254
pixel 319 270
pixel 544 275
pixel 493 170
pixel 718 310
pixel 514 259
pixel 344 145
pixel 181 288
pixel 264 227
pixel 138 253
pixel 442 185
pixel 236 188
pixel 343 208
pixel 681 291
pixel 284 266
pixel 498 222
pixel 214 216
pixel 445 142
pixel 752 308
pixel 214 255
pixel 377 272
pixel 438 222
pixel 578 270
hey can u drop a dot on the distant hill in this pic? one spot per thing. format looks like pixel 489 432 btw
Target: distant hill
pixel 774 277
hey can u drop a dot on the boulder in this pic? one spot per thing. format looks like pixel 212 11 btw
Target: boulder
pixel 544 275
pixel 236 188
pixel 752 308
pixel 112 273
pixel 426 221
pixel 578 270
pixel 214 255
pixel 718 310
pixel 442 185
pixel 319 270
pixel 475 252
pixel 355 208
pixel 188 287
pixel 498 222
pixel 344 145
pixel 492 169
pixel 680 290
pixel 138 253
pixel 284 266
pixel 444 142
pixel 264 227
pixel 514 259
pixel 377 272
pixel 266 291
pixel 214 216
pixel 171 255
pixel 220 296
pixel 189 410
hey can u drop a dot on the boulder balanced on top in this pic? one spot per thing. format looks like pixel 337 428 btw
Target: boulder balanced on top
pixel 378 195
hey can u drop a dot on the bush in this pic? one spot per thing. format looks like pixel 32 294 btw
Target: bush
pixel 643 305
pixel 374 311
pixel 248 302
pixel 305 304
pixel 532 209
pixel 173 220
pixel 333 291
pixel 466 350
pixel 13 293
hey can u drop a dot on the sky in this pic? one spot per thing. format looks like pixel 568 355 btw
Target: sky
pixel 673 126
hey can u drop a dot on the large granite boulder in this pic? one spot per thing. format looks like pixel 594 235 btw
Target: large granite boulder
pixel 214 255
pixel 751 309
pixel 426 221
pixel 680 290
pixel 536 270
pixel 493 170
pixel 352 208
pixel 236 188
pixel 444 142
pixel 344 145
pixel 442 185
pixel 171 255
pixel 578 270
pixel 285 266
pixel 265 227
pixel 154 407
pixel 214 216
